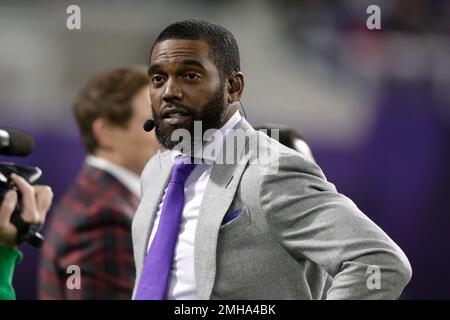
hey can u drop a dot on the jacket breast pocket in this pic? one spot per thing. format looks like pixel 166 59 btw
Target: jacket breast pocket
pixel 230 230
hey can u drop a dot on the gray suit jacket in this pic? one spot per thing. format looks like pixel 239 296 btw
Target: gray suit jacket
pixel 294 229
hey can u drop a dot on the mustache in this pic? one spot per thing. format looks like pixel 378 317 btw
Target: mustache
pixel 170 107
pixel 175 106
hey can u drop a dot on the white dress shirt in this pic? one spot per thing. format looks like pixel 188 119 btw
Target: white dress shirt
pixel 182 284
pixel 128 178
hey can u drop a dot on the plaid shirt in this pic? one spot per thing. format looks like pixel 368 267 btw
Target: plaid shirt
pixel 91 229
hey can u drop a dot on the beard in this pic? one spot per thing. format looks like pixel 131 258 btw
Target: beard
pixel 211 118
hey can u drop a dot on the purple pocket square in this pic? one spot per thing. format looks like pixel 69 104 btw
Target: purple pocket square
pixel 231 216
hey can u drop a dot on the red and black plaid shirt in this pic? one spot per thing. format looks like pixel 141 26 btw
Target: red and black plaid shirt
pixel 91 229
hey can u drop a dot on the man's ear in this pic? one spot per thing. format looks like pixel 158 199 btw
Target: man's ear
pixel 235 86
pixel 103 133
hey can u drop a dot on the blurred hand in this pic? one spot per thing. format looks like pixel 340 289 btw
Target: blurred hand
pixel 36 201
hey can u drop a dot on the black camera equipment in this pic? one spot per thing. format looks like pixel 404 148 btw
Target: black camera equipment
pixel 16 143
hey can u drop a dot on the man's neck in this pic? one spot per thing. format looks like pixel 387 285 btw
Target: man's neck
pixel 115 159
pixel 127 177
pixel 229 112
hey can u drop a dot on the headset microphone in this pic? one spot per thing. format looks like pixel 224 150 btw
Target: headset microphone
pixel 149 125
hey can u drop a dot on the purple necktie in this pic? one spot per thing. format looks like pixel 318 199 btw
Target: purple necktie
pixel 158 263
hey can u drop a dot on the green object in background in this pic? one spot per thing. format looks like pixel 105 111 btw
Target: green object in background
pixel 9 257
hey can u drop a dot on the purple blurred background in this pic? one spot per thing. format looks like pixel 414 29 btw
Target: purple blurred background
pixel 373 105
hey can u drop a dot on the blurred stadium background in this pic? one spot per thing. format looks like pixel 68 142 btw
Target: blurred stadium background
pixel 373 105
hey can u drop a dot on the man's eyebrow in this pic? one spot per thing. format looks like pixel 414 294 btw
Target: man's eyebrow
pixel 187 62
pixel 153 68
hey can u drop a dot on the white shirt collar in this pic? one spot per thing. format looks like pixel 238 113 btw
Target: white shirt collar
pixel 128 178
pixel 217 139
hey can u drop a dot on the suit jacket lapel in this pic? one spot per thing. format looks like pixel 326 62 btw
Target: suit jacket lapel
pixel 151 198
pixel 219 194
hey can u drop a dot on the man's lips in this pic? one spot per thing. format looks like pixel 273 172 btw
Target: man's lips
pixel 177 119
pixel 175 115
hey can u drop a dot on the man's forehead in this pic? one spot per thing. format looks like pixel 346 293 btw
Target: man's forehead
pixel 169 51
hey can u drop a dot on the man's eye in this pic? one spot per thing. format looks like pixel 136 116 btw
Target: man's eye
pixel 156 79
pixel 192 76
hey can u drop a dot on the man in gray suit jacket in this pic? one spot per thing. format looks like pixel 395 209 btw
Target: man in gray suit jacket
pixel 247 228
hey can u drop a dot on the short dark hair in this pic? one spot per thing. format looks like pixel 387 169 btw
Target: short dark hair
pixel 108 96
pixel 223 47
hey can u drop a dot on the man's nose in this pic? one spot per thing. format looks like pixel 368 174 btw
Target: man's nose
pixel 172 90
